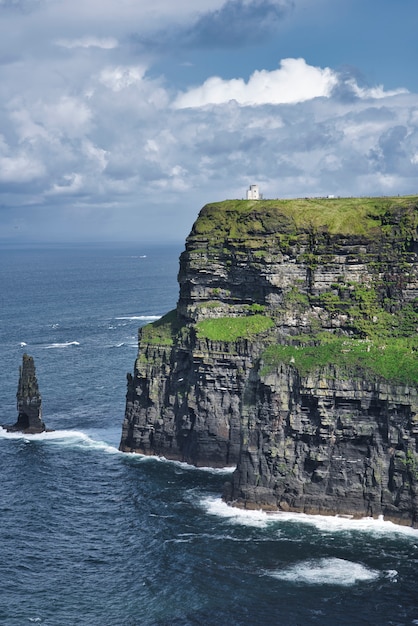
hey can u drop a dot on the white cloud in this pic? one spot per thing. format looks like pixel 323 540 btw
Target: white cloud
pixel 88 126
pixel 21 168
pixel 26 128
pixel 97 155
pixel 49 119
pixel 294 81
pixel 118 78
pixel 106 43
pixel 376 92
pixel 68 116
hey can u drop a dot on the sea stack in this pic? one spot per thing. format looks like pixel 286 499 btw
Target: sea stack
pixel 29 401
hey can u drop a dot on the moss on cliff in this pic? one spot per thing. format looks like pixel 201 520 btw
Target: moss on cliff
pixel 163 331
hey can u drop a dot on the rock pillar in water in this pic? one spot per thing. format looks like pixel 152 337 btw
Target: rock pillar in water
pixel 29 401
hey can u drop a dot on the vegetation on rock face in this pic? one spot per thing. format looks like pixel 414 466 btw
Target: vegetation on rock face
pixel 380 343
pixel 376 329
pixel 243 219
pixel 163 331
pixel 233 328
pixel 371 329
pixel 394 360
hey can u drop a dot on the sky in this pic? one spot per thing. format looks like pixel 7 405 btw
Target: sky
pixel 120 119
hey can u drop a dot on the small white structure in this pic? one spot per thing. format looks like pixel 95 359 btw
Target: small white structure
pixel 253 193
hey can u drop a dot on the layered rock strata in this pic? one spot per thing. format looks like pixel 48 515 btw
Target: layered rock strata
pixel 279 357
pixel 322 443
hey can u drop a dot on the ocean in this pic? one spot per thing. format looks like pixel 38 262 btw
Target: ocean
pixel 92 536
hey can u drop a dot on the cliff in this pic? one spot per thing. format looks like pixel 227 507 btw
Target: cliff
pixel 292 354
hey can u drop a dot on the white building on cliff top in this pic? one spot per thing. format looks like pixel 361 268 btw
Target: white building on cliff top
pixel 253 193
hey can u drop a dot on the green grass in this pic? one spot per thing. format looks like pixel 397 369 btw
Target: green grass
pixel 394 360
pixel 233 328
pixel 163 331
pixel 346 216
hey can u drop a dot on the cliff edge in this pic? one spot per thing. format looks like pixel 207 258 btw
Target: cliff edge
pixel 292 354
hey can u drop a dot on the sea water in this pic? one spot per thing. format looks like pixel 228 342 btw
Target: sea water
pixel 92 536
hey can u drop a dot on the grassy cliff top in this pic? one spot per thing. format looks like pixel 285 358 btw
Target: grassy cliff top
pixel 363 217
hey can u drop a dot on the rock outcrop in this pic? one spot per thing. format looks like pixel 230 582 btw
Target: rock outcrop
pixel 29 401
pixel 292 354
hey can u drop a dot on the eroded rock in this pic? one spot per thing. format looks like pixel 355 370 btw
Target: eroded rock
pixel 29 401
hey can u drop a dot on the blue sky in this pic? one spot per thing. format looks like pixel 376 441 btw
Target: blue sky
pixel 120 120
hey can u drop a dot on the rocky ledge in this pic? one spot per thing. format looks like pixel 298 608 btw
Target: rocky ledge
pixel 292 355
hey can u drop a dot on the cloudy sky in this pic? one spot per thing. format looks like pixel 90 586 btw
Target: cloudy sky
pixel 120 119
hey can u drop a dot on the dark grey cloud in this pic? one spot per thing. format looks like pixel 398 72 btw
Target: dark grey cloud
pixel 237 23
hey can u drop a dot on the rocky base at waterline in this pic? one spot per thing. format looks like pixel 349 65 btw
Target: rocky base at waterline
pixel 326 444
pixel 292 354
pixel 29 401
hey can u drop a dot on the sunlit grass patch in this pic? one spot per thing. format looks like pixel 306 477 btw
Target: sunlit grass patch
pixel 394 360
pixel 232 328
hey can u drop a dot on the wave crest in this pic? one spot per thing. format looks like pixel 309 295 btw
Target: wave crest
pixel 65 344
pixel 326 571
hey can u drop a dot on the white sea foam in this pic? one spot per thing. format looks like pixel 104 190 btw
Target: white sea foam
pixel 392 575
pixel 324 523
pixel 142 318
pixel 244 517
pixel 216 470
pixel 66 344
pixel 326 571
pixel 191 537
pixel 73 438
pixel 180 464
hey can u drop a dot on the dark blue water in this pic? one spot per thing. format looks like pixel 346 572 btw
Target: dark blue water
pixel 91 536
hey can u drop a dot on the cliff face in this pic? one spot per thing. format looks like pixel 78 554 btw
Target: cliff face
pixel 291 354
pixel 184 401
pixel 321 443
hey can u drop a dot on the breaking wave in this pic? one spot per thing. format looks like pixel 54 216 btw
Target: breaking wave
pixel 65 344
pixel 73 438
pixel 326 571
pixel 141 318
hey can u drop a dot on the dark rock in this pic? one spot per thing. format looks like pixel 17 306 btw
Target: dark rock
pixel 29 402
pixel 327 445
pixel 331 440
